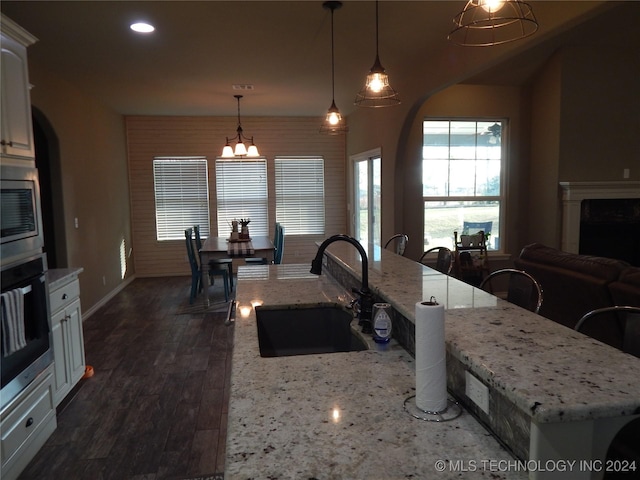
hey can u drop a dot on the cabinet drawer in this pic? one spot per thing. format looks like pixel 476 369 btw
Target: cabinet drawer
pixel 24 421
pixel 63 296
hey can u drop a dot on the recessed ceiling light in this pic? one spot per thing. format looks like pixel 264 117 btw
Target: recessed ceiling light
pixel 142 27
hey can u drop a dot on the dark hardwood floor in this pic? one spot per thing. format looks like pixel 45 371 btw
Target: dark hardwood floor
pixel 156 407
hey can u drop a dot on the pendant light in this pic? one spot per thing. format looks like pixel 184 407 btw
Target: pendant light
pixel 484 23
pixel 333 124
pixel 240 149
pixel 377 92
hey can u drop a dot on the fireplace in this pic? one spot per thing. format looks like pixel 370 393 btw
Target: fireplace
pixel 609 212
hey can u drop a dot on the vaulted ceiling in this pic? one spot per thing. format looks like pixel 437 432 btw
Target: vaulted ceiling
pixel 200 49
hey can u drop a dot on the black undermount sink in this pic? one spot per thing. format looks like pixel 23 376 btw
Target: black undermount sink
pixel 303 330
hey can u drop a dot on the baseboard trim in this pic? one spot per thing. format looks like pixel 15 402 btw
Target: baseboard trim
pixel 86 314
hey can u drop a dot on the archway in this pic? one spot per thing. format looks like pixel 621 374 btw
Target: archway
pixel 49 171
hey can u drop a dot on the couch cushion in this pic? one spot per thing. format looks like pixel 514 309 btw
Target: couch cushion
pixel 574 285
pixel 626 290
pixel 606 269
pixel 567 295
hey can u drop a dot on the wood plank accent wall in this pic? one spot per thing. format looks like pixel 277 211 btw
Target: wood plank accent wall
pixel 155 136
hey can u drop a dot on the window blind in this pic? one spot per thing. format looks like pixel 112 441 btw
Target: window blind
pixel 181 195
pixel 241 190
pixel 300 194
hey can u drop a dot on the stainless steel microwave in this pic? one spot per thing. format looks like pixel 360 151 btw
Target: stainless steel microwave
pixel 20 213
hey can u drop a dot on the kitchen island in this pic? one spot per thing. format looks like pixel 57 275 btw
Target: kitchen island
pixel 341 415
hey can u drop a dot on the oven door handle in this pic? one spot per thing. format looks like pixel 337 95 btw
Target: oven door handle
pixel 23 290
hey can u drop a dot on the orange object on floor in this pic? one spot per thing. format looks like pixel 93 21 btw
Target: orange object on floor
pixel 88 371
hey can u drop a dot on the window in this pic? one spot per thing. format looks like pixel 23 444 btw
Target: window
pixel 461 179
pixel 367 196
pixel 241 187
pixel 182 196
pixel 300 194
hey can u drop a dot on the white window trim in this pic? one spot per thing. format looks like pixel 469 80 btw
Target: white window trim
pixel 502 198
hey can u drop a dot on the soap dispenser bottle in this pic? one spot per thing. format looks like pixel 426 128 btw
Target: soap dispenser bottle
pixel 382 324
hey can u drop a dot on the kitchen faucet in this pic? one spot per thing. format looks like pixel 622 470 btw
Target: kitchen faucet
pixel 365 298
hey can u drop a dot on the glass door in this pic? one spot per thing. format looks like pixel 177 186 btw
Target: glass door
pixel 367 192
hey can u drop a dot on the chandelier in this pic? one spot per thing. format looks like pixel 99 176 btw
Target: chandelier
pixel 240 149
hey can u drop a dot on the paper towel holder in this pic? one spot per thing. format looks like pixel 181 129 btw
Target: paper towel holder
pixel 432 301
pixel 451 412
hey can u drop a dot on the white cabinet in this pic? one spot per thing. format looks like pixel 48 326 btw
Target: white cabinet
pixel 26 424
pixel 67 337
pixel 15 104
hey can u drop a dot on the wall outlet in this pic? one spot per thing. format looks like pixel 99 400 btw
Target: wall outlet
pixel 626 173
pixel 104 280
pixel 477 392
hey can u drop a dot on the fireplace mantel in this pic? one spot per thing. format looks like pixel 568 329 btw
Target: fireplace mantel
pixel 573 193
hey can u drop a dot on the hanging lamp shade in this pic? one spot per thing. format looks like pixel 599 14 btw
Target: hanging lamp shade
pixel 239 149
pixel 376 91
pixel 252 151
pixel 333 123
pixel 484 23
pixel 227 151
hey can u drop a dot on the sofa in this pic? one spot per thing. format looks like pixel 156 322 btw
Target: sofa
pixel 575 284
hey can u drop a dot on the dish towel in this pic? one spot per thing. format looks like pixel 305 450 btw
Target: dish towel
pixel 240 249
pixel 12 306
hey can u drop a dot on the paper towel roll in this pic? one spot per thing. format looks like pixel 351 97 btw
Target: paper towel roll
pixel 431 367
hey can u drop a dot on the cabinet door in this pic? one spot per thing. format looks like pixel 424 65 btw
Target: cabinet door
pixel 61 379
pixel 76 342
pixel 17 130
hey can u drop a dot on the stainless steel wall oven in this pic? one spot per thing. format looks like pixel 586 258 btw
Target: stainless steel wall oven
pixel 21 364
pixel 21 233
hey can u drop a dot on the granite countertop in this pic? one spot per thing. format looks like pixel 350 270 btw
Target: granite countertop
pixel 337 415
pixel 341 415
pixel 59 276
pixel 549 371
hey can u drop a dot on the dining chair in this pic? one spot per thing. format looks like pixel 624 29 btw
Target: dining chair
pixel 469 228
pixel 444 259
pixel 278 244
pixel 279 252
pixel 471 259
pixel 196 275
pixel 618 326
pixel 398 242
pixel 196 270
pixel 522 289
pixel 214 263
pixel 473 228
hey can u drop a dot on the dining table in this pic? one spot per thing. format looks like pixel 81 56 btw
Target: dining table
pixel 237 250
pixel 222 247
